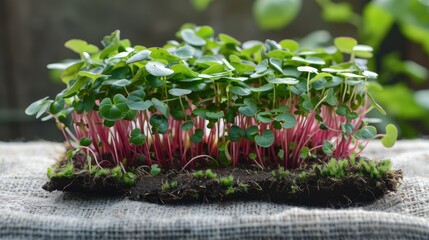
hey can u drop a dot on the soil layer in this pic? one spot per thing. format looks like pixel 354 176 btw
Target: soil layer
pixel 304 186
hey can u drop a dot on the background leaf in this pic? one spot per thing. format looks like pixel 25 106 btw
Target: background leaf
pixel 275 14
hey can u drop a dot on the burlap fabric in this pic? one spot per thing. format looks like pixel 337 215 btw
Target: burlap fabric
pixel 28 212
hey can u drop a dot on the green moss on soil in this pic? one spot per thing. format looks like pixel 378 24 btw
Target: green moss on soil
pixel 337 183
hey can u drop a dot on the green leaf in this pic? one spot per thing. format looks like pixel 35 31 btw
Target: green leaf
pixel 345 44
pixel 44 108
pixel 306 103
pixel 93 74
pixel 179 92
pixel 201 112
pixel 159 123
pixel 281 154
pixel 307 69
pixel 161 107
pixel 264 117
pixel 111 44
pixel 305 152
pixel 184 52
pixel 363 51
pixel 142 55
pixel 204 31
pixel 115 110
pixel 240 91
pixel 197 137
pixel 251 132
pixel 352 115
pixel 207 60
pixel 280 54
pixel 226 39
pixel 262 66
pixel 287 80
pixel 131 115
pixel 59 103
pixel 389 139
pixel 70 73
pixel 331 99
pixel 129 178
pixel 235 133
pixel 186 126
pixel 319 76
pixel 315 60
pixel 121 82
pixel 376 105
pixel 291 45
pixel 155 170
pixel 350 75
pixel 266 140
pixel 35 107
pixel 76 87
pixel 185 70
pixel 242 67
pixel 215 68
pixel 85 141
pixel 191 38
pixel 337 12
pixel 137 138
pixel 347 128
pixel 249 108
pixel 135 101
pixel 161 53
pixel 108 123
pixel 263 88
pixel 277 64
pixel 342 110
pixel 334 82
pixel 275 14
pixel 215 115
pixel 80 46
pixel 328 148
pixel 158 69
pixel 200 5
pixel 366 133
pixel 288 120
pixel 370 74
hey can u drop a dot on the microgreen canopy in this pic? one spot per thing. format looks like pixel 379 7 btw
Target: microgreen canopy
pixel 266 103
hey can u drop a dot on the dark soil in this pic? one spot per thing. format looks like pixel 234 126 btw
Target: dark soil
pixel 85 183
pixel 353 189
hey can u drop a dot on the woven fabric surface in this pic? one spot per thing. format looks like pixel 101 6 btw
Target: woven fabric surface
pixel 29 212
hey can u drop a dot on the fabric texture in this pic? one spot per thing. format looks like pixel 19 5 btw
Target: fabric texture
pixel 29 212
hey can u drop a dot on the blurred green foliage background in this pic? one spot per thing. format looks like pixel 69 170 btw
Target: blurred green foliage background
pixel 404 94
pixel 34 32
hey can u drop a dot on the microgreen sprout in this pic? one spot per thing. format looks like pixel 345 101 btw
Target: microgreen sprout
pixel 155 170
pixel 227 181
pixel 215 99
pixel 230 190
pixel 67 172
pixel 165 186
pixel 198 174
pixel 210 174
pixel 117 173
pixel 243 187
